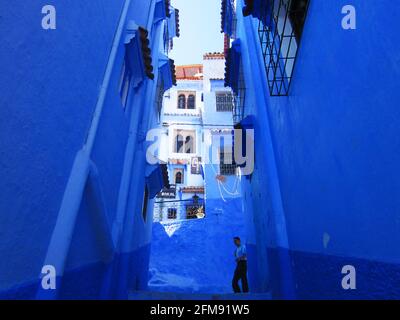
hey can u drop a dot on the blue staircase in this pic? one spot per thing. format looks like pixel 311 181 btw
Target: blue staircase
pixel 152 295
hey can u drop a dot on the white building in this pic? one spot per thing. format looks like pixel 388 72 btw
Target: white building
pixel 195 115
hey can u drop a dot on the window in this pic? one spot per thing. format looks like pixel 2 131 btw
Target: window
pixel 178 176
pixel 181 101
pixel 224 101
pixel 297 16
pixel 144 205
pixel 185 141
pixel 192 102
pixel 189 142
pixel 179 143
pixel 227 165
pixel 280 30
pixel 159 96
pixel 240 98
pixel 195 210
pixel 172 213
pixel 125 83
pixel 187 100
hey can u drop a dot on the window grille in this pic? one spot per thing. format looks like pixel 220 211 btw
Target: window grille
pixel 172 213
pixel 280 30
pixel 240 98
pixel 224 102
pixel 227 166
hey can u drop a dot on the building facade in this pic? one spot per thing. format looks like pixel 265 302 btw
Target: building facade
pixel 196 120
pixel 311 81
pixel 196 218
pixel 76 102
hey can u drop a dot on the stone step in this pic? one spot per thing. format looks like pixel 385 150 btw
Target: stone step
pixel 153 295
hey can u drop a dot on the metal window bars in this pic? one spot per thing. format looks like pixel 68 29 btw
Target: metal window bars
pixel 239 98
pixel 224 101
pixel 227 166
pixel 280 29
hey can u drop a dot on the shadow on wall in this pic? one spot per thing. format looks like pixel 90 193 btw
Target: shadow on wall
pixel 196 256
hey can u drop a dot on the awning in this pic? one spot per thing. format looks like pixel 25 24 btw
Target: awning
pixel 167 72
pixel 157 180
pixel 138 53
pixel 173 23
pixel 232 67
pixel 227 17
pixel 260 9
pixel 161 10
pixel 246 123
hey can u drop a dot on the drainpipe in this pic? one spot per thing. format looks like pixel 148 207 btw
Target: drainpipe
pixel 60 242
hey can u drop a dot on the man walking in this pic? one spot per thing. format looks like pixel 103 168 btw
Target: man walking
pixel 241 267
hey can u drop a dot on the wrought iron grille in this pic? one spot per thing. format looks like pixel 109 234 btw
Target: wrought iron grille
pixel 224 101
pixel 239 98
pixel 165 210
pixel 280 30
pixel 227 165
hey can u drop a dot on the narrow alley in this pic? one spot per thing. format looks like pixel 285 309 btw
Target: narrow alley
pixel 163 149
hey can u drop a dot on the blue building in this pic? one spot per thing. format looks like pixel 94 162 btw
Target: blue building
pixel 196 218
pixel 317 81
pixel 74 115
pixel 314 85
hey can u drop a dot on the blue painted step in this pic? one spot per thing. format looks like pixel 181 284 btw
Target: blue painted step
pixel 151 295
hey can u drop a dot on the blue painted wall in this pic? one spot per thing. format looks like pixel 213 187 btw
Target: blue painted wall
pixel 327 156
pixel 50 83
pixel 197 255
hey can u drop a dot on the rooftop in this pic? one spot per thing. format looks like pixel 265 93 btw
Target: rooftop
pixel 214 56
pixel 189 72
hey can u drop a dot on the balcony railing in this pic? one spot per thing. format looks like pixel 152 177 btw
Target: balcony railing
pixel 280 30
pixel 179 209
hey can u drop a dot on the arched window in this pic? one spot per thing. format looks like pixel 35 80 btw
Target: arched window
pixel 178 178
pixel 179 144
pixel 189 144
pixel 181 101
pixel 192 102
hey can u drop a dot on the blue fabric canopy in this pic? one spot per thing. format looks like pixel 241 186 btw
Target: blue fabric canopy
pixel 167 72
